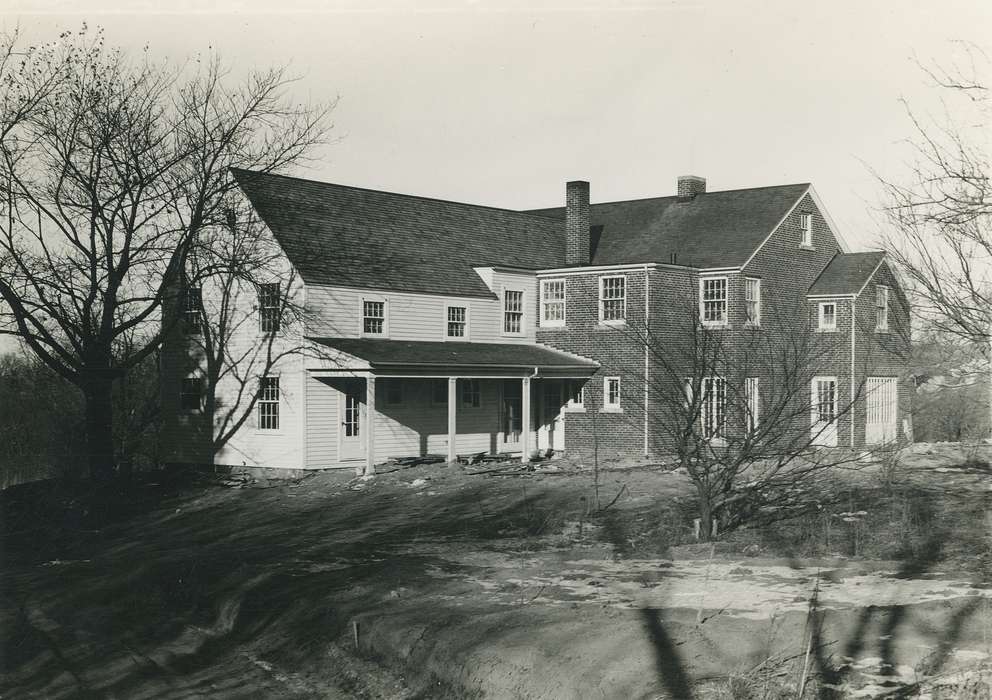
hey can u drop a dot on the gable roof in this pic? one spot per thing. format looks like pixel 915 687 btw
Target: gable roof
pixel 380 352
pixel 352 237
pixel 846 273
pixel 714 229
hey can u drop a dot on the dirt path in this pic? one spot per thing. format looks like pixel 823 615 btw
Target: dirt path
pixel 502 587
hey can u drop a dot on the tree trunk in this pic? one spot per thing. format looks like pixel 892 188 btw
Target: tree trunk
pixel 99 427
pixel 705 518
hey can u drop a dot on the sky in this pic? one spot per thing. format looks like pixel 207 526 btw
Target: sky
pixel 501 103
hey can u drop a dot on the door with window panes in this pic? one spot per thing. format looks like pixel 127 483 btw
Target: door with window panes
pixel 352 412
pixel 823 397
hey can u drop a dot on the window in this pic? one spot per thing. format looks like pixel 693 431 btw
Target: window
pixel 713 406
pixel 439 392
pixel 713 301
pixel 825 400
pixel 513 311
pixel 576 396
pixel 828 316
pixel 881 308
pixel 191 394
pixel 611 394
pixel 394 391
pixel 552 303
pixel 612 299
pixel 471 393
pixel 192 308
pixel 752 300
pixel 270 307
pixel 753 404
pixel 457 322
pixel 268 403
pixel 806 229
pixel 373 317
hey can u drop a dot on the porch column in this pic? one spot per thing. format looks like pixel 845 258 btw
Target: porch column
pixel 452 417
pixel 526 441
pixel 370 416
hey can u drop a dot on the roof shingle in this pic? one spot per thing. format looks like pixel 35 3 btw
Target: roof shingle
pixel 846 273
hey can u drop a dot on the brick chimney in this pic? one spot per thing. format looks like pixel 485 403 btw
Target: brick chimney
pixel 577 223
pixel 690 186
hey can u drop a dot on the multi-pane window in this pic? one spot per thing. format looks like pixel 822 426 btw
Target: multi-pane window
pixel 471 393
pixel 713 300
pixel 192 309
pixel 373 317
pixel 394 391
pixel 825 400
pixel 713 406
pixel 806 229
pixel 612 299
pixel 611 394
pixel 576 395
pixel 191 394
pixel 881 308
pixel 457 321
pixel 270 307
pixel 268 403
pixel 513 311
pixel 752 300
pixel 553 302
pixel 828 316
pixel 752 403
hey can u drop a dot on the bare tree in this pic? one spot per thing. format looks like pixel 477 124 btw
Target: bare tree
pixel 939 218
pixel 113 169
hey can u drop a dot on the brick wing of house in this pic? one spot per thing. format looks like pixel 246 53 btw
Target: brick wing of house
pixel 435 327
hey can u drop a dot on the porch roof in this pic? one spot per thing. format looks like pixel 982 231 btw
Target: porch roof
pixel 451 357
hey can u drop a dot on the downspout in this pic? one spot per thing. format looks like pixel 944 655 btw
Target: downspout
pixel 851 406
pixel 647 336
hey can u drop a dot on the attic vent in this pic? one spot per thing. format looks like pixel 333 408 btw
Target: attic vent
pixel 673 258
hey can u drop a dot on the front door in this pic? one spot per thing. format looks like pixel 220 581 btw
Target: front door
pixel 823 397
pixel 510 415
pixel 352 412
pixel 551 434
pixel 880 426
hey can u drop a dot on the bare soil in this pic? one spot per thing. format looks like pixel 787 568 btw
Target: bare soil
pixel 428 582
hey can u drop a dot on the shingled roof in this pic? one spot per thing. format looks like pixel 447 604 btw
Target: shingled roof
pixel 714 229
pixel 383 353
pixel 846 273
pixel 348 236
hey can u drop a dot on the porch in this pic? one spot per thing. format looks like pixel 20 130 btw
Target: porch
pixel 384 399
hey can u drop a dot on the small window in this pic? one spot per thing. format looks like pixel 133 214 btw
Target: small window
pixel 752 300
pixel 613 299
pixel 552 303
pixel 457 322
pixel 471 393
pixel 394 391
pixel 268 403
pixel 576 396
pixel 806 229
pixel 439 392
pixel 828 316
pixel 191 394
pixel 373 317
pixel 753 404
pixel 714 406
pixel 192 309
pixel 713 301
pixel 513 311
pixel 611 394
pixel 270 307
pixel 881 308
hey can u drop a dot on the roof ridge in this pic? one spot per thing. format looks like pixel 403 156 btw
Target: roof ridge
pixel 675 196
pixel 388 192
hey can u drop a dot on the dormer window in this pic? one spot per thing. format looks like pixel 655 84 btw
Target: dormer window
pixel 806 230
pixel 513 312
pixel 457 322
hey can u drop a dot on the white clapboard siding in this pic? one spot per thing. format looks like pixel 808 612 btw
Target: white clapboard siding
pixel 336 312
pixel 322 423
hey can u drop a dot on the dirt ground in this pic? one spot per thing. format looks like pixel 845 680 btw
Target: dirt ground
pixel 429 582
